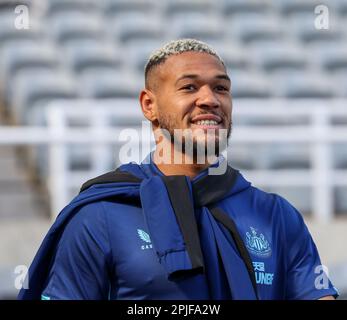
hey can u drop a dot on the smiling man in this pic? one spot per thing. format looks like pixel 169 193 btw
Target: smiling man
pixel 169 229
pixel 187 96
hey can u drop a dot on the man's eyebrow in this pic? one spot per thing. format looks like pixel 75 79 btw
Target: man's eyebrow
pixel 223 76
pixel 195 76
pixel 186 76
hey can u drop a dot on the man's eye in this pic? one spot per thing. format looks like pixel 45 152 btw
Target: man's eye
pixel 222 88
pixel 188 87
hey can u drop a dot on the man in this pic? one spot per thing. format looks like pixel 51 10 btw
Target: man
pixel 168 229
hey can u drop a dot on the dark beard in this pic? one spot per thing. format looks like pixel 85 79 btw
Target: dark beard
pixel 192 146
pixel 206 148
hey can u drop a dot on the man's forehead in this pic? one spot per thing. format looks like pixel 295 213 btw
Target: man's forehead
pixel 191 63
pixel 192 59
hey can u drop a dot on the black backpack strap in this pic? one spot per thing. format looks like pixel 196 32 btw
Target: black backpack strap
pixel 110 177
pixel 223 218
pixel 182 205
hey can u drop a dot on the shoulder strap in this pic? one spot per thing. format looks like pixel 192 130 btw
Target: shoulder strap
pixel 110 177
pixel 223 218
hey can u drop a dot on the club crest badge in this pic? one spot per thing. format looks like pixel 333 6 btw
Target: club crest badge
pixel 257 244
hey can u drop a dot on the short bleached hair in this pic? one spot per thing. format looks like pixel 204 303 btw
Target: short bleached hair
pixel 175 47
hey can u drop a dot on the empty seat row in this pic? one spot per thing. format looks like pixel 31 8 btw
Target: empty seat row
pixel 67 27
pixel 35 86
pixel 170 7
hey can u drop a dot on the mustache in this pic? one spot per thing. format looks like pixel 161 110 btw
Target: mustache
pixel 222 115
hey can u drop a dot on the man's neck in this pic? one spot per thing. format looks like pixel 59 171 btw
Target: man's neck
pixel 171 168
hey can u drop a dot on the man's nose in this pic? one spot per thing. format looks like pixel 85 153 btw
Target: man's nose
pixel 207 98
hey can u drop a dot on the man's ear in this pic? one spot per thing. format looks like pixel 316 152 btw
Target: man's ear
pixel 148 105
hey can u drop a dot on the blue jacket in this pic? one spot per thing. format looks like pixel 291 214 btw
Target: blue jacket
pixel 137 234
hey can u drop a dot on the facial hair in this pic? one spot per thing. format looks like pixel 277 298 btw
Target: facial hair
pixel 168 123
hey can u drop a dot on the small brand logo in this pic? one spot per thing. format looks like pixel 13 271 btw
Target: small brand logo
pixel 144 236
pixel 257 244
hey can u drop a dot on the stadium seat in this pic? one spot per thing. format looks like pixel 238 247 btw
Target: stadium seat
pixel 79 157
pixel 137 54
pixel 304 29
pixel 85 55
pixel 235 57
pixel 173 7
pixel 340 200
pixel 134 27
pixel 339 80
pixel 254 27
pixel 340 162
pixel 332 58
pixel 289 156
pixel 340 6
pixel 302 85
pixel 249 85
pixel 69 27
pixel 35 88
pixel 118 8
pixel 239 7
pixel 109 84
pixel 340 155
pixel 241 157
pixel 281 56
pixel 21 55
pixel 67 6
pixel 292 7
pixel 9 5
pixel 196 25
pixel 9 33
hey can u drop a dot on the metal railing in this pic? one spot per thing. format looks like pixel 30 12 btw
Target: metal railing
pixel 318 131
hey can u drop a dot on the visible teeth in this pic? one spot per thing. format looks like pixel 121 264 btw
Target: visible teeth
pixel 207 122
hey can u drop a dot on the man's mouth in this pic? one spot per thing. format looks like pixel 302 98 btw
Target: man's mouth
pixel 207 121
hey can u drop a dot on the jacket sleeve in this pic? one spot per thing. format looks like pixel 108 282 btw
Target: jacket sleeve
pixel 80 269
pixel 307 278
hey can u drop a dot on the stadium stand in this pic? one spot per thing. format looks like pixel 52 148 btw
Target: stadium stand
pixel 239 7
pixel 132 27
pixel 36 87
pixel 248 29
pixel 198 26
pixel 96 50
pixel 245 86
pixel 54 7
pixel 272 58
pixel 292 7
pixel 69 26
pixel 106 84
pixel 121 7
pixel 84 56
pixel 299 84
pixel 20 56
pixel 173 7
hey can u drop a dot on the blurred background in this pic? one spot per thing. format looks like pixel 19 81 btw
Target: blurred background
pixel 70 75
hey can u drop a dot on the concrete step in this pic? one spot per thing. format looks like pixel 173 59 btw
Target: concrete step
pixel 7 151
pixel 20 186
pixel 20 240
pixel 19 196
pixel 22 205
pixel 11 168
